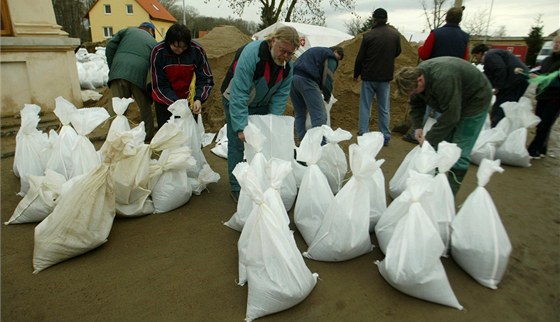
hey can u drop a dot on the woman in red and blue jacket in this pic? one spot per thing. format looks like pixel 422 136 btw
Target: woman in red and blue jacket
pixel 175 61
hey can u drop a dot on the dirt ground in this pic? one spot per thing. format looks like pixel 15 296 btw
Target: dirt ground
pixel 182 265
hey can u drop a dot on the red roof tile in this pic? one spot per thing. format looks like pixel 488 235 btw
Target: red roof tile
pixel 156 10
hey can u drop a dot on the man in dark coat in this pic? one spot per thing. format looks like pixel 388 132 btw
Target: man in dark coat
pixel 375 64
pixel 500 67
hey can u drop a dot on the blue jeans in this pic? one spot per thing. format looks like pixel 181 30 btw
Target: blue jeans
pixel 306 97
pixel 382 90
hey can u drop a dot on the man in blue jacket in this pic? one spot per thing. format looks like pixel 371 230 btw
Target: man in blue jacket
pixel 312 85
pixel 128 58
pixel 257 82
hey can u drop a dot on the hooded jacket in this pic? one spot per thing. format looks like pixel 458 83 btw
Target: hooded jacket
pixel 254 82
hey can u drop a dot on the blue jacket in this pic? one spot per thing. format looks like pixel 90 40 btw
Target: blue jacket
pixel 319 65
pixel 254 83
pixel 450 40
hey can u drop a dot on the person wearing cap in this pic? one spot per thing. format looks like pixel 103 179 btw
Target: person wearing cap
pixel 128 59
pixel 175 62
pixel 312 85
pixel 460 93
pixel 500 67
pixel 447 40
pixel 375 64
pixel 257 82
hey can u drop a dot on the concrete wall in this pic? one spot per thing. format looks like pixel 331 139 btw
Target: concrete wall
pixel 37 62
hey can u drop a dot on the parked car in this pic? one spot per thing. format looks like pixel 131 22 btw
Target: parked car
pixel 546 50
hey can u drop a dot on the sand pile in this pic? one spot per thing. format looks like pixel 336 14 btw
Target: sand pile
pixel 222 42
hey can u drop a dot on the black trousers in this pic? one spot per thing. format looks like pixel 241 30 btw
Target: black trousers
pixel 548 111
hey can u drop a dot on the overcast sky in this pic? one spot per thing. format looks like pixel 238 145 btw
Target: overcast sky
pixel 407 15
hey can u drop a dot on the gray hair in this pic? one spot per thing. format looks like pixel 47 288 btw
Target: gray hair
pixel 285 33
pixel 407 80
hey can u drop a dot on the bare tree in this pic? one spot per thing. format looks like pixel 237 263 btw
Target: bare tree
pixel 500 32
pixel 435 14
pixel 69 14
pixel 354 26
pixel 475 23
pixel 289 10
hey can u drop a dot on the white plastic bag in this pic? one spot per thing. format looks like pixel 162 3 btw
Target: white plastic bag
pixel 60 159
pixel 412 263
pixel 269 260
pixel 344 232
pixel 40 200
pixel 315 195
pixel 333 160
pixel 84 156
pixel 479 242
pixel 82 217
pixel 30 143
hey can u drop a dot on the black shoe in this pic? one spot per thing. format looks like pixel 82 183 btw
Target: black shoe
pixel 234 195
pixel 410 138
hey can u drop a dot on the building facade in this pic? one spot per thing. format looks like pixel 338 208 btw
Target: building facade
pixel 107 17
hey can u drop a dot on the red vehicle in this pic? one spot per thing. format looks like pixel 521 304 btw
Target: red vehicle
pixel 518 50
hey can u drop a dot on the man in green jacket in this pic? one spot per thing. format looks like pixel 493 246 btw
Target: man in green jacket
pixel 128 58
pixel 457 90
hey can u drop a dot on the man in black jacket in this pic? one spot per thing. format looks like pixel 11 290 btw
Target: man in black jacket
pixel 500 68
pixel 375 64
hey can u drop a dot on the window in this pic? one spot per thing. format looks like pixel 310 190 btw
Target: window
pixel 108 32
pixel 5 20
pixel 129 9
pixel 108 9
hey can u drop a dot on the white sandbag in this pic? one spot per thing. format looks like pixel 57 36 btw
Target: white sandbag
pixel 486 143
pixel 60 159
pixel 315 194
pixel 333 160
pixel 169 181
pixel 373 142
pixel 412 263
pixel 205 138
pixel 278 131
pixel 479 241
pixel 205 177
pixel 422 159
pixel 258 136
pixel 344 232
pixel 120 122
pixel 84 155
pixel 513 151
pixel 82 217
pixel 220 149
pixel 439 202
pixel 245 204
pixel 183 117
pixel 30 143
pixel 417 185
pixel 40 200
pixel 132 175
pixel 268 256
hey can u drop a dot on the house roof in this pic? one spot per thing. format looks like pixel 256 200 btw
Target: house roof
pixel 155 9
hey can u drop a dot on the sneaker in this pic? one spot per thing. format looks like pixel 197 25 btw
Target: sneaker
pixel 386 143
pixel 234 195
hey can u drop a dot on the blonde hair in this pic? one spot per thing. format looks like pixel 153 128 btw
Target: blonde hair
pixel 407 80
pixel 285 33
